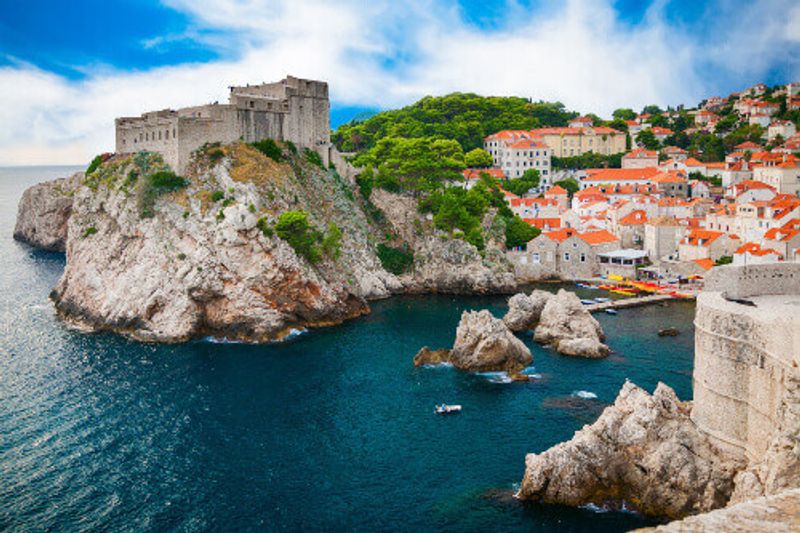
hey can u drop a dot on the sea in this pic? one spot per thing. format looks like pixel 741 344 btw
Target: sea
pixel 332 430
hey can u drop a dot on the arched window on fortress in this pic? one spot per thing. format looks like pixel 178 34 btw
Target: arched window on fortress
pixel 173 133
pixel 146 136
pixel 159 135
pixel 166 134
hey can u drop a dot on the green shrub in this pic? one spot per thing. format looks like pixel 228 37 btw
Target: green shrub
pixel 313 157
pixel 724 260
pixel 155 185
pixel 181 256
pixel 186 214
pixel 220 215
pixel 475 238
pixel 251 208
pixel 96 162
pixel 395 260
pixel 365 182
pixel 263 225
pixel 294 228
pixel 91 230
pixel 332 243
pixel 291 147
pixel 216 196
pixel 130 179
pixel 228 201
pixel 269 148
pixel 519 232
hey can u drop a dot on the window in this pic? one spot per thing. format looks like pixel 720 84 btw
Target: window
pixel 173 133
pixel 566 256
pixel 166 134
pixel 159 135
pixel 583 258
pixel 536 258
pixel 252 104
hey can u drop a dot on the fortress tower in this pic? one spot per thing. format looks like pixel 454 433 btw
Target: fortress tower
pixel 292 109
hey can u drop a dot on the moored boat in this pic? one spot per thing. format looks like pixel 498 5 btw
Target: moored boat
pixel 445 409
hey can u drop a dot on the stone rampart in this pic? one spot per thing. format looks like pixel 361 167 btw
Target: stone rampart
pixel 747 349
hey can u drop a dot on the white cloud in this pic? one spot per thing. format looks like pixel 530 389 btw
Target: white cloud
pixel 388 53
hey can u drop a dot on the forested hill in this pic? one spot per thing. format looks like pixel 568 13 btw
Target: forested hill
pixel 464 117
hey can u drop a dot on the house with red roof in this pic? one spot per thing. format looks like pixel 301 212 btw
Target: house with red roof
pixel 751 253
pixel 707 244
pixel 473 175
pixel 535 207
pixel 785 239
pixel 559 194
pixel 565 253
pixel 781 172
pixel 705 117
pixel 661 133
pixel 640 158
pixel 517 151
pixel 781 128
pixel 618 176
pixel 629 228
pixel 674 152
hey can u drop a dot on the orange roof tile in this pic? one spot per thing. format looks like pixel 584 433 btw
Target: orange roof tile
pixel 598 237
pixel 707 264
pixel 634 218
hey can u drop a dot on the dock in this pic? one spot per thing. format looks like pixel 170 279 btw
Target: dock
pixel 623 303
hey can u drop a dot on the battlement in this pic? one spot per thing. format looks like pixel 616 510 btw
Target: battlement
pixel 292 109
pixel 747 353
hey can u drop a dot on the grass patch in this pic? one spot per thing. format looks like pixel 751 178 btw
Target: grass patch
pixel 314 158
pixel 91 230
pixel 269 148
pixel 395 260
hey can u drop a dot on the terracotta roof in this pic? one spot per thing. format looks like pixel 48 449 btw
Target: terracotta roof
pixel 475 173
pixel 634 218
pixel 598 237
pixel 701 237
pixel 528 144
pixel 707 264
pixel 756 249
pixel 748 145
pixel 543 223
pixel 640 153
pixel 516 202
pixel 561 235
pixel 657 130
pixel 619 174
pixel 556 190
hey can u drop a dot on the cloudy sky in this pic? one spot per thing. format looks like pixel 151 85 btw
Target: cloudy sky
pixel 68 68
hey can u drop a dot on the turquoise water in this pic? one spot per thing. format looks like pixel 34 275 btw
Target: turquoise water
pixel 333 430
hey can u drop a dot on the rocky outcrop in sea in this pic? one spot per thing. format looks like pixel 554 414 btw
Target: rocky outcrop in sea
pixel 644 451
pixel 569 328
pixel 483 344
pixel 525 310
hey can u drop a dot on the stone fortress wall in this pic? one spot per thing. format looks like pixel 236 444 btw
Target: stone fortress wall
pixel 292 109
pixel 746 375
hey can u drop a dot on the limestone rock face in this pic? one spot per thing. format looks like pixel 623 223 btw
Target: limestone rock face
pixel 569 328
pixel 43 214
pixel 525 310
pixel 200 266
pixel 484 343
pixel 443 264
pixel 778 513
pixel 643 450
pixel 426 356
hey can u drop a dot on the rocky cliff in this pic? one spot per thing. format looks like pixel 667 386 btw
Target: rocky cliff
pixel 170 264
pixel 44 212
pixel 205 259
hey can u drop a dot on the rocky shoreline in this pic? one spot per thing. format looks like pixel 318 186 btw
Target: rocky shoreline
pixel 207 261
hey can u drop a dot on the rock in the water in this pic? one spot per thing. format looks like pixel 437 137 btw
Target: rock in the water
pixel 569 328
pixel 668 332
pixel 484 343
pixel 524 310
pixel 426 356
pixel 43 214
pixel 643 450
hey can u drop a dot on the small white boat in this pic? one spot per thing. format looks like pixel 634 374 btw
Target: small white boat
pixel 611 311
pixel 585 286
pixel 588 302
pixel 602 300
pixel 445 409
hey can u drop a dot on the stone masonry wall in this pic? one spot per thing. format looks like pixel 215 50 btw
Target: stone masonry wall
pixel 745 355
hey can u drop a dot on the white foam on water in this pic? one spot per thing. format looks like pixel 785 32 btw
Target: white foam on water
pixel 585 394
pixel 438 365
pixel 594 508
pixel 496 377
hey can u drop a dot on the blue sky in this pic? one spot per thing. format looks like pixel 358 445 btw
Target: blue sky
pixel 68 68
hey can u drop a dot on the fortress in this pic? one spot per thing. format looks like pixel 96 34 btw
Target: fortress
pixel 292 109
